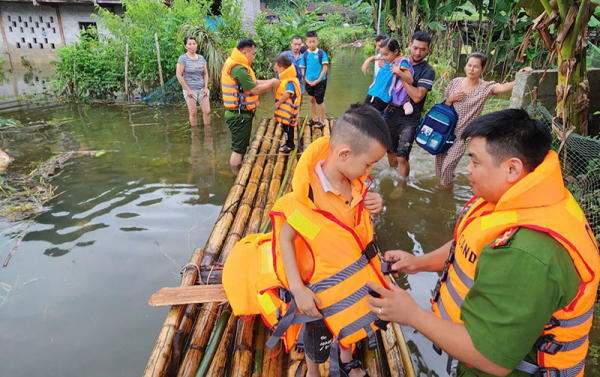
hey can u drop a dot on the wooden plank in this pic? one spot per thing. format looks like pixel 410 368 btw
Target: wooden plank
pixel 196 294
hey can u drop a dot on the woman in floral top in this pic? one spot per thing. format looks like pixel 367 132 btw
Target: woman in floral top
pixel 467 95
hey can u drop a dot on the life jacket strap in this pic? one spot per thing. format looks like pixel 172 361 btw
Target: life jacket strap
pixel 288 319
pixel 547 344
pixel 537 371
pixel 566 323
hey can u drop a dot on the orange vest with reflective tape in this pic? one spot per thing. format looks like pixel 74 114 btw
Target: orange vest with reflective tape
pixel 233 98
pixel 329 256
pixel 287 112
pixel 541 202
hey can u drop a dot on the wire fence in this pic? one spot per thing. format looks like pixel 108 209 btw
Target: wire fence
pixel 166 94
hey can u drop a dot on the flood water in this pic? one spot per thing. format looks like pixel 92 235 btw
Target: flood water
pixel 73 299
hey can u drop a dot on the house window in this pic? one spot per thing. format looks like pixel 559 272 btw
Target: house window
pixel 86 25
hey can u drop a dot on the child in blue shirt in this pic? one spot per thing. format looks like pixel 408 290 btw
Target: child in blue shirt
pixel 314 66
pixel 380 91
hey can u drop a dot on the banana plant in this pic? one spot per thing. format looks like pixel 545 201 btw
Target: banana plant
pixel 562 25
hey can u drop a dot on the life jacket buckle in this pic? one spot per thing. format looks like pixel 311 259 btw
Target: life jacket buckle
pixel 285 295
pixel 552 323
pixel 547 345
pixel 547 372
pixel 436 291
pixel 371 250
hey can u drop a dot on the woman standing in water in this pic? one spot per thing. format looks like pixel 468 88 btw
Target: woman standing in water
pixel 468 96
pixel 192 74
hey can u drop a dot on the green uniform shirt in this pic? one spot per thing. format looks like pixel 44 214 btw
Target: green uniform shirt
pixel 242 77
pixel 240 123
pixel 517 288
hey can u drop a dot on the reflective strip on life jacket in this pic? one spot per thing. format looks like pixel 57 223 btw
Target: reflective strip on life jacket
pixel 291 317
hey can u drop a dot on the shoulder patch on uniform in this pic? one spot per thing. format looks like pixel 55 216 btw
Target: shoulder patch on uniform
pixel 505 238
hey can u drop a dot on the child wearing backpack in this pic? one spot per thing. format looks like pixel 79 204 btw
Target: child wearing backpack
pixel 314 69
pixel 386 86
pixel 288 98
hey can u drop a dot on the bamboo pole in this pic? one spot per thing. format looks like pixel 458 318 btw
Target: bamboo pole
pixel 268 174
pixel 327 128
pixel 243 213
pixel 371 359
pixel 224 240
pixel 243 355
pixel 223 224
pixel 393 355
pixel 307 136
pixel 158 361
pixel 295 358
pixel 404 353
pixel 259 350
pixel 274 186
pixel 288 172
pixel 160 75
pixel 270 144
pixel 273 360
pixel 199 339
pixel 219 362
pixel 126 71
pixel 214 342
pixel 324 369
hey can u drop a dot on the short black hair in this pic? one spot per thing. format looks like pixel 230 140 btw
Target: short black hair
pixel 391 44
pixel 246 43
pixel 478 55
pixel 358 122
pixel 380 37
pixel 422 36
pixel 512 133
pixel 311 34
pixel 283 61
pixel 186 39
pixel 296 37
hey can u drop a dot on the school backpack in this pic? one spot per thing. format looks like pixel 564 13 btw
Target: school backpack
pixel 435 134
pixel 319 54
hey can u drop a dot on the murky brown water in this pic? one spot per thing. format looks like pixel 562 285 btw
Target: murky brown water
pixel 73 300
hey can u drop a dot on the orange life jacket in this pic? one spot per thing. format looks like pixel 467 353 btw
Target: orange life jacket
pixel 330 258
pixel 287 112
pixel 540 202
pixel 233 98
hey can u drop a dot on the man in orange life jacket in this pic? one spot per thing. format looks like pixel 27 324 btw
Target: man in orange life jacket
pixel 517 296
pixel 240 90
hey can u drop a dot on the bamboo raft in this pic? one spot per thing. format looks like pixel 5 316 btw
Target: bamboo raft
pixel 206 339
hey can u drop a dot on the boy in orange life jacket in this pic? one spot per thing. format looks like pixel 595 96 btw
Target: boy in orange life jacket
pixel 288 97
pixel 336 187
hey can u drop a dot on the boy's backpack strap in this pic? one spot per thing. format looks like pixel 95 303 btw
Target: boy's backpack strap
pixel 320 54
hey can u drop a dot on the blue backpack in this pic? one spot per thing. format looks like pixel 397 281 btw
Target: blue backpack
pixel 435 134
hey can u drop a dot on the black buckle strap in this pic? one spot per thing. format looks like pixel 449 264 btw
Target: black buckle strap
pixel 547 345
pixel 285 295
pixel 371 250
pixel 552 323
pixel 444 276
pixel 547 372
